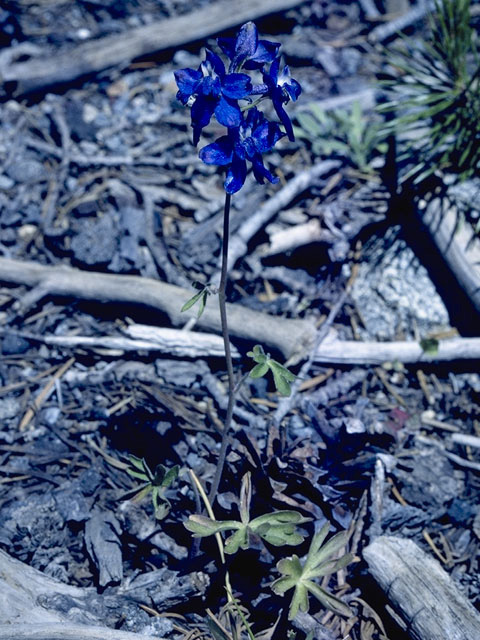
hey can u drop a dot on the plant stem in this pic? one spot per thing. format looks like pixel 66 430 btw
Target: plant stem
pixel 228 356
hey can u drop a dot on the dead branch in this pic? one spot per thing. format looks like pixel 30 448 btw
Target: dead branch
pixel 286 335
pixel 457 244
pixel 423 596
pixel 94 56
pixel 385 31
pixel 175 342
pixel 65 631
pixel 350 352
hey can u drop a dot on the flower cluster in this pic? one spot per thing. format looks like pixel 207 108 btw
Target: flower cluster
pixel 232 97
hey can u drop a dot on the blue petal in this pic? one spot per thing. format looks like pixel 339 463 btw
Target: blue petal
pixel 265 52
pixel 187 81
pixel 260 171
pixel 236 85
pixel 236 175
pixel 282 114
pixel 266 136
pixel 250 148
pixel 252 119
pixel 273 71
pixel 228 113
pixel 202 111
pixel 219 152
pixel 215 62
pixel 239 148
pixel 211 86
pixel 293 89
pixel 227 45
pixel 246 44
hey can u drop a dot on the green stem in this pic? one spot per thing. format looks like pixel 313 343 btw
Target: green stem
pixel 228 356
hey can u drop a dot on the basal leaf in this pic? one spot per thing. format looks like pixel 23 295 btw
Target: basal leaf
pixel 299 601
pixel 170 476
pixel 238 540
pixel 162 510
pixel 282 585
pixel 138 463
pixel 202 526
pixel 138 475
pixel 327 551
pixel 279 517
pixel 331 566
pixel 283 371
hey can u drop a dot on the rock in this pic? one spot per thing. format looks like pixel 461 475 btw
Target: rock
pixel 96 243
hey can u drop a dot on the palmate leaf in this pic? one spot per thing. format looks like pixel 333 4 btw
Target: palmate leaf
pixel 282 377
pixel 277 528
pixel 155 483
pixel 319 563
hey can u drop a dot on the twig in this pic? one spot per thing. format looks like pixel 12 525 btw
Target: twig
pixel 65 631
pixel 363 353
pixel 43 395
pixel 285 404
pixel 385 31
pixel 175 342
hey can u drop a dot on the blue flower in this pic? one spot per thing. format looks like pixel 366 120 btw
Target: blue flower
pixel 213 91
pixel 256 135
pixel 247 49
pixel 281 88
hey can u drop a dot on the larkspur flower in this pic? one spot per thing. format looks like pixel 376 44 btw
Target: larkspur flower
pixel 281 88
pixel 256 135
pixel 247 50
pixel 213 92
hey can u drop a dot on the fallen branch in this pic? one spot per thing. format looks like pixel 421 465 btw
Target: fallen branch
pixel 91 57
pixel 287 336
pixel 350 352
pixel 385 31
pixel 457 244
pixel 58 611
pixel 423 596
pixel 65 631
pixel 175 342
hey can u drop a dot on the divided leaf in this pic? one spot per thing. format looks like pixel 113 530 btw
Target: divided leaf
pixel 282 377
pixel 277 528
pixel 320 562
pixel 155 483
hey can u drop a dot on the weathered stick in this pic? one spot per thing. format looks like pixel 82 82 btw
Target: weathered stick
pixel 350 352
pixel 175 342
pixel 65 631
pixel 94 56
pixel 458 245
pixel 285 335
pixel 424 596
